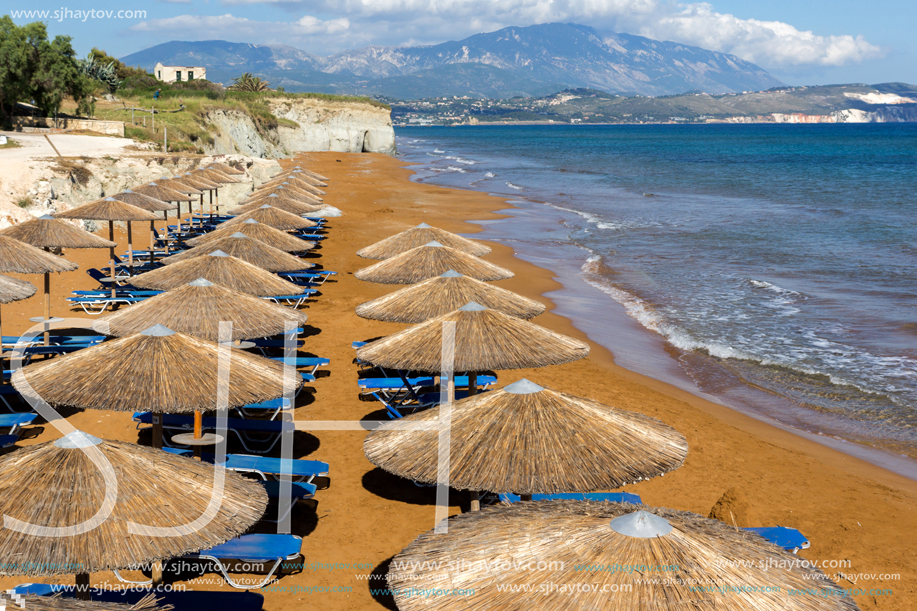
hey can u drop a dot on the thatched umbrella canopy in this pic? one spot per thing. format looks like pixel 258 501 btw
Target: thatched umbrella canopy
pixel 48 232
pixel 57 485
pixel 12 289
pixel 21 258
pixel 254 229
pixel 247 249
pixel 111 210
pixel 283 193
pixel 197 309
pixel 428 261
pixel 538 441
pixel 275 201
pixel 299 180
pixel 295 184
pixel 179 185
pixel 291 191
pixel 219 268
pixel 150 204
pixel 580 543
pixel 216 176
pixel 272 217
pixel 419 236
pixel 157 369
pixel 144 202
pixel 299 170
pixel 225 168
pixel 485 339
pixel 162 193
pixel 66 603
pixel 199 182
pixel 443 294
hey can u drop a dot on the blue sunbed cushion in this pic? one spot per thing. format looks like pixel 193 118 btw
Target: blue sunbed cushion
pixel 787 538
pixel 10 420
pixel 187 600
pixel 255 548
pixel 297 490
pixel 266 464
pixel 612 497
pixel 210 423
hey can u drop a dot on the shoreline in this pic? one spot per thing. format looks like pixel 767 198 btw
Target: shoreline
pixel 543 224
pixel 848 509
pixel 660 362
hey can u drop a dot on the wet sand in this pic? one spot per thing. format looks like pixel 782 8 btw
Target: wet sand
pixel 850 510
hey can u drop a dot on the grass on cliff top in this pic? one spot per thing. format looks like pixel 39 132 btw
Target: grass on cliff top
pixel 188 129
pixel 10 144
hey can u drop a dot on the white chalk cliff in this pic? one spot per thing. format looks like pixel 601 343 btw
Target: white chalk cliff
pixel 340 126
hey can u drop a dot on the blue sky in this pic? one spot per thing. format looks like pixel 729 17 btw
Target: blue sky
pixel 799 42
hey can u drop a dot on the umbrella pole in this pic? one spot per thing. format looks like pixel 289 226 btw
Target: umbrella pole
pixel 2 378
pixel 525 497
pixel 152 240
pixel 130 249
pixel 82 586
pixel 47 308
pixel 202 209
pixel 198 432
pixel 210 207
pixel 111 254
pixel 165 215
pixel 157 430
pixel 475 500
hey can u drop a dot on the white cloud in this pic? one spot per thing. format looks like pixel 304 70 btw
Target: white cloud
pixel 354 23
pixel 770 43
pixel 241 29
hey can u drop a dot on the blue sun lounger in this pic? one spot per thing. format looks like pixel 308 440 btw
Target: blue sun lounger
pixel 293 301
pixel 101 302
pixel 246 431
pixel 259 549
pixel 8 392
pixel 611 497
pixel 184 600
pixel 8 440
pixel 789 539
pixel 305 362
pixel 298 492
pixel 16 421
pixel 270 408
pixel 299 469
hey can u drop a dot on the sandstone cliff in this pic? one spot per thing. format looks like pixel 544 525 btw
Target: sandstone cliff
pixel 322 125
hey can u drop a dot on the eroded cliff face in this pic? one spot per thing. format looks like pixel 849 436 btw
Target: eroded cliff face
pixel 348 127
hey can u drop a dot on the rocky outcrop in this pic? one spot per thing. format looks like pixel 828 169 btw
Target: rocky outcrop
pixel 347 127
pixel 46 188
pixel 321 125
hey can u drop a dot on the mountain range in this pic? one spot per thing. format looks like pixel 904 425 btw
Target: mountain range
pixel 514 61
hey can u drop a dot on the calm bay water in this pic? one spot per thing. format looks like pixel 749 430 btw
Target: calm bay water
pixel 781 260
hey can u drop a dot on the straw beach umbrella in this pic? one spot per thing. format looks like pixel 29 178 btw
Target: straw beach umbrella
pixel 284 189
pixel 150 204
pixel 419 236
pixel 219 268
pixel 182 187
pixel 218 177
pixel 298 169
pixel 225 168
pixel 485 339
pixel 294 184
pixel 19 257
pixel 674 555
pixel 111 210
pixel 253 229
pixel 272 217
pixel 156 369
pixel 108 517
pixel 427 261
pixel 48 232
pixel 200 183
pixel 443 294
pixel 247 249
pixel 197 309
pixel 12 290
pixel 160 192
pixel 528 431
pixel 275 201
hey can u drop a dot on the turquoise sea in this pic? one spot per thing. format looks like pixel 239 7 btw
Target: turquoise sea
pixel 775 264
